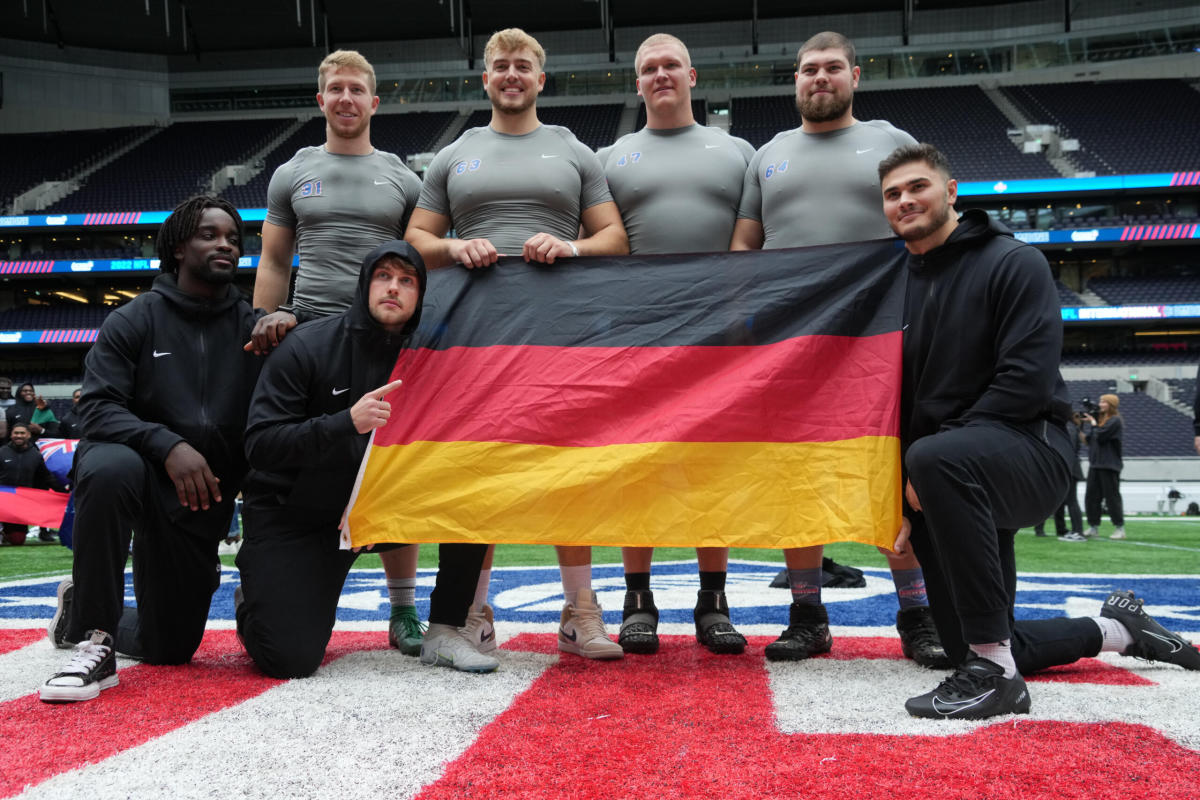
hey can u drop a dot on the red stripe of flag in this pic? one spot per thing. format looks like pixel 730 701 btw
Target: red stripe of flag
pixel 149 702
pixel 561 395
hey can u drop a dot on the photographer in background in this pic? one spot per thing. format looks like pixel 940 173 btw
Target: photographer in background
pixel 1103 436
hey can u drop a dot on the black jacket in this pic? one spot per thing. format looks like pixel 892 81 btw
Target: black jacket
pixel 167 368
pixel 303 448
pixel 26 468
pixel 983 336
pixel 71 425
pixel 1104 444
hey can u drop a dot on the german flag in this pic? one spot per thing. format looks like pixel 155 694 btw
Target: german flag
pixel 729 399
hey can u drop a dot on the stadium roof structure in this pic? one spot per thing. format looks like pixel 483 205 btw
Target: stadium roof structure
pixel 174 27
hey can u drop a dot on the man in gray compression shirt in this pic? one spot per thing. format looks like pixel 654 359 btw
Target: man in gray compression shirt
pixel 332 203
pixel 677 184
pixel 518 187
pixel 819 184
pixel 335 204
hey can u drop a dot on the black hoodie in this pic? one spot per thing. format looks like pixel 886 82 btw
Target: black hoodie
pixel 983 336
pixel 303 448
pixel 168 367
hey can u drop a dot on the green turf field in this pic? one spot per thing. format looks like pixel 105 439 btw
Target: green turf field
pixel 1154 546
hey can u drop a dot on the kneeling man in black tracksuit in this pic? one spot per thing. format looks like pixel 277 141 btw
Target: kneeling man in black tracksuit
pixel 984 444
pixel 165 392
pixel 320 395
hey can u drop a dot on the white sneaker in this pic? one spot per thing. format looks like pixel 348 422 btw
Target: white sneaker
pixel 446 646
pixel 1119 533
pixel 581 630
pixel 1090 533
pixel 92 668
pixel 480 630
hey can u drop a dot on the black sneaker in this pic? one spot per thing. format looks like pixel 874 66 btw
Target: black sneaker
pixel 807 634
pixel 57 629
pixel 91 669
pixel 976 690
pixel 1151 641
pixel 639 626
pixel 919 638
pixel 714 629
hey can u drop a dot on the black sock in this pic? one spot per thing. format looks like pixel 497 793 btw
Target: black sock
pixel 712 581
pixel 637 581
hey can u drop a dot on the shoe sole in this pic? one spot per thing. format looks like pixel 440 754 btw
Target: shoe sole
pixel 731 649
pixel 57 629
pixel 441 661
pixel 567 646
pixel 76 694
pixel 408 647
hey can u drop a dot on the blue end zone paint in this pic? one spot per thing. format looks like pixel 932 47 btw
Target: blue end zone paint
pixel 534 595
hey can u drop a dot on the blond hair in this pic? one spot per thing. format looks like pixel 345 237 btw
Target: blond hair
pixel 1114 407
pixel 345 59
pixel 511 40
pixel 656 39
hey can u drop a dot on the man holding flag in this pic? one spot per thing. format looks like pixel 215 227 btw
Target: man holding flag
pixel 518 187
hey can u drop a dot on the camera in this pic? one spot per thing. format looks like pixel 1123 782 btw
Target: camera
pixel 1088 406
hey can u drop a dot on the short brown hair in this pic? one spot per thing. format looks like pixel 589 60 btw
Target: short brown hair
pixel 909 153
pixel 510 40
pixel 656 39
pixel 345 59
pixel 828 40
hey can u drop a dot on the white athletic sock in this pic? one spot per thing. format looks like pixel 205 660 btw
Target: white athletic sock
pixel 1116 636
pixel 575 580
pixel 998 653
pixel 402 591
pixel 481 589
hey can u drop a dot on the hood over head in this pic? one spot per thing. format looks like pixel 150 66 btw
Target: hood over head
pixel 361 312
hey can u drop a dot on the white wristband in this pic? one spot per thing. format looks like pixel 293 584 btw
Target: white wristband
pixel 574 249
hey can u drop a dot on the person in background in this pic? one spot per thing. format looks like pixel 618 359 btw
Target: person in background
pixel 1071 502
pixel 1103 436
pixel 71 426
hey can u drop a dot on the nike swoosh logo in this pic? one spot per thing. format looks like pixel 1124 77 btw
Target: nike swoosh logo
pixel 946 709
pixel 711 146
pixel 572 636
pixel 1175 644
pixel 487 637
pixel 860 152
pixel 381 183
pixel 546 156
pixel 157 354
pixel 336 392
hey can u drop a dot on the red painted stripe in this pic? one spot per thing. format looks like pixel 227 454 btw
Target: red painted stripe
pixel 15 639
pixel 684 723
pixel 806 389
pixel 149 702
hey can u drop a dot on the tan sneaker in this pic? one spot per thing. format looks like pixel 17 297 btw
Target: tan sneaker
pixel 480 628
pixel 1118 533
pixel 582 630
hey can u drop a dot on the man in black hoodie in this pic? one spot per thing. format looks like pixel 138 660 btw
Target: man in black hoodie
pixel 165 393
pixel 985 450
pixel 320 395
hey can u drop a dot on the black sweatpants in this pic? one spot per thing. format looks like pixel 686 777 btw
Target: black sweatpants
pixel 1070 504
pixel 292 576
pixel 978 485
pixel 1104 484
pixel 175 565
